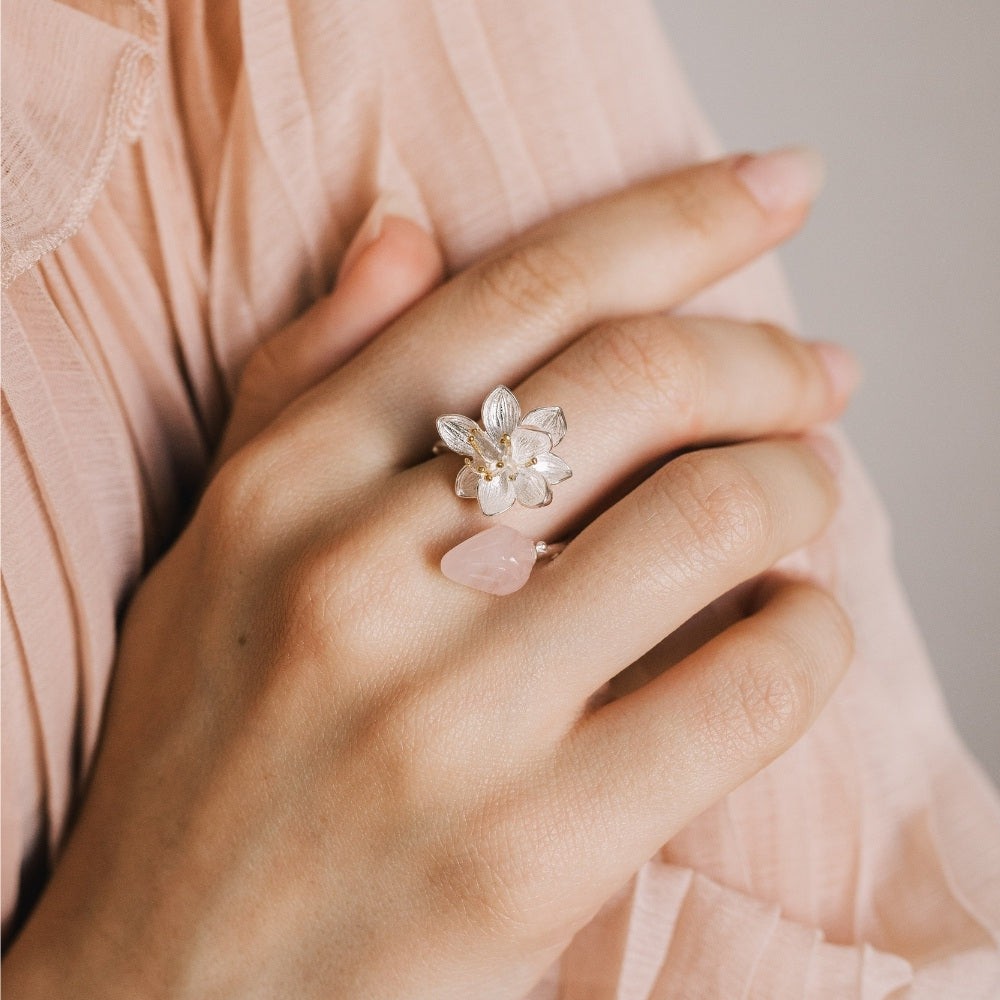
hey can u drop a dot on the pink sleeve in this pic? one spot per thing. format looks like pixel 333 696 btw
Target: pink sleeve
pixel 863 863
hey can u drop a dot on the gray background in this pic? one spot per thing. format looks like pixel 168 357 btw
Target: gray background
pixel 901 262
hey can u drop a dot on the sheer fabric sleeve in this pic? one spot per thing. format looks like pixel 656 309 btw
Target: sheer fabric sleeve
pixel 863 863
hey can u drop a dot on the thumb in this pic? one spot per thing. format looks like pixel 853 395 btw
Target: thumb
pixel 390 264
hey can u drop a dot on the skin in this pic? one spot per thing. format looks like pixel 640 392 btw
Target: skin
pixel 327 770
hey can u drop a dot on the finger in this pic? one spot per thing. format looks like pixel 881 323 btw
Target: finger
pixel 653 760
pixel 379 279
pixel 641 250
pixel 701 525
pixel 636 390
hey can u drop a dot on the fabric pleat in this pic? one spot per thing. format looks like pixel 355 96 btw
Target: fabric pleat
pixel 179 184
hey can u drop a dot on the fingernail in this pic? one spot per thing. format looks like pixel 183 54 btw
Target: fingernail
pixel 387 203
pixel 783 179
pixel 827 450
pixel 841 366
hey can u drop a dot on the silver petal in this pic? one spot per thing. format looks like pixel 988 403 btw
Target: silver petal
pixel 501 412
pixel 495 494
pixel 531 489
pixel 526 443
pixel 488 448
pixel 550 419
pixel 454 430
pixel 553 468
pixel 467 483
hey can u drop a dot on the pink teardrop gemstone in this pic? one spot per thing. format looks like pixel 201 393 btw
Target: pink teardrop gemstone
pixel 497 561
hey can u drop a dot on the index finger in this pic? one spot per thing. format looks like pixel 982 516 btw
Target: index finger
pixel 645 249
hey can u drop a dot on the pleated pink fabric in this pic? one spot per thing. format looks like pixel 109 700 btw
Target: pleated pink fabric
pixel 176 188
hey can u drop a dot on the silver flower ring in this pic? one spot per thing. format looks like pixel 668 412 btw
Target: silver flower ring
pixel 508 458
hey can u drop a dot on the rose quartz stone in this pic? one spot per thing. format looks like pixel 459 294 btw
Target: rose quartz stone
pixel 497 561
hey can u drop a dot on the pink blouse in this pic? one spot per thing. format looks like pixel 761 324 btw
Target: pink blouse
pixel 176 188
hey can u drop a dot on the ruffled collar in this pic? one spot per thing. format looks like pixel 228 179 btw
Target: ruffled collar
pixel 77 83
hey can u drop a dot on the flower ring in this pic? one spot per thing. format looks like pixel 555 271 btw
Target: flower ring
pixel 508 458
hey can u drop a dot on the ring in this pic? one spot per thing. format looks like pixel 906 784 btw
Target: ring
pixel 498 560
pixel 508 459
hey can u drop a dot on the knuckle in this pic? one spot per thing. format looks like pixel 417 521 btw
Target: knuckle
pixel 399 737
pixel 772 699
pixel 723 509
pixel 311 606
pixel 780 675
pixel 239 508
pixel 445 805
pixel 487 874
pixel 330 603
pixel 659 364
pixel 387 753
pixel 539 281
pixel 467 826
pixel 625 357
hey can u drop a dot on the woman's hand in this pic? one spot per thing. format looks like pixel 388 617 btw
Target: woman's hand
pixel 329 771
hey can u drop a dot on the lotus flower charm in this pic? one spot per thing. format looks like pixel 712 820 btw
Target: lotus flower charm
pixel 508 459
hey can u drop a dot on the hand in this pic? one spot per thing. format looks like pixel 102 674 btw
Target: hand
pixel 329 771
